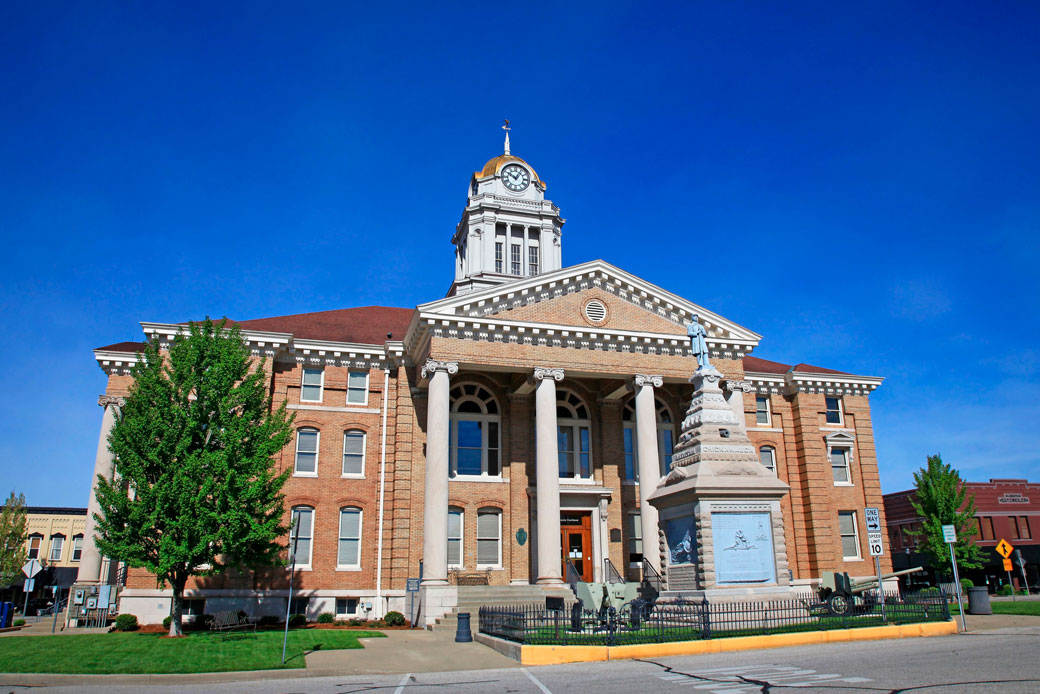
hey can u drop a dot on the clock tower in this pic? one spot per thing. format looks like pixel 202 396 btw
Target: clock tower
pixel 508 230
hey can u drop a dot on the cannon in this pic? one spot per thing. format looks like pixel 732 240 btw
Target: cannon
pixel 839 592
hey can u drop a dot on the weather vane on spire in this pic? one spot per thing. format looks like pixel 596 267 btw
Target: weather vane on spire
pixel 506 128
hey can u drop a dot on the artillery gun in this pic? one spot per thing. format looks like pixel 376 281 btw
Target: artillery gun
pixel 843 595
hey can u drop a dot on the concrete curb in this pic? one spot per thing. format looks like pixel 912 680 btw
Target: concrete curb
pixel 559 655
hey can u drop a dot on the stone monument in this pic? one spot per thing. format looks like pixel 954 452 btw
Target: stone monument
pixel 720 520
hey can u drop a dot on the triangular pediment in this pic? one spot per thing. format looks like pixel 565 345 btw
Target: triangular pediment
pixel 626 304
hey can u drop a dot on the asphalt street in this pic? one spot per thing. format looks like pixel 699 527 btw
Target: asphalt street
pixel 1004 661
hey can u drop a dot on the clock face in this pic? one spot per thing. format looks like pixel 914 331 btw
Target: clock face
pixel 515 177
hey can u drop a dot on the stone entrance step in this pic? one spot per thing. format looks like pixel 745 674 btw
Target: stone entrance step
pixel 472 598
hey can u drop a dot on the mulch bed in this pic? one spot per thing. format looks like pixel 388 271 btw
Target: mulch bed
pixel 160 629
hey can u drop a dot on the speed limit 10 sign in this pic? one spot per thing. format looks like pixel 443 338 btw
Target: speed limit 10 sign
pixel 874 541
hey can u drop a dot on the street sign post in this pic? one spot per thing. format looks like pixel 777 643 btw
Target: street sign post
pixel 873 518
pixel 1004 549
pixel 1020 560
pixel 411 586
pixel 950 537
pixel 32 567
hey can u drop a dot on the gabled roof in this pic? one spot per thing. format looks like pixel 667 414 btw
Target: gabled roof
pixel 125 347
pixel 756 365
pixel 366 325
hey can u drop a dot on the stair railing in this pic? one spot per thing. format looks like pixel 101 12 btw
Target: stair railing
pixel 573 577
pixel 651 577
pixel 611 574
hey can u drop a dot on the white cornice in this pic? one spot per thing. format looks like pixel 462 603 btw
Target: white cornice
pixel 116 363
pixel 765 383
pixel 806 382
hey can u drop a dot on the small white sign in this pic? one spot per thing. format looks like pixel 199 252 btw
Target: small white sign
pixel 32 567
pixel 873 519
pixel 949 534
pixel 874 542
pixel 30 583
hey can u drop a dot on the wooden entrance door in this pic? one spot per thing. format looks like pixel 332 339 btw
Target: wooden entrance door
pixel 576 542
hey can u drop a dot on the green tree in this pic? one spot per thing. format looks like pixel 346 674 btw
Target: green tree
pixel 13 534
pixel 942 499
pixel 195 491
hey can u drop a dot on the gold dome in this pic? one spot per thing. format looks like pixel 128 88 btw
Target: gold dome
pixel 495 165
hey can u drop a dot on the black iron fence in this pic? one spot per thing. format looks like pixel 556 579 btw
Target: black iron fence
pixel 643 622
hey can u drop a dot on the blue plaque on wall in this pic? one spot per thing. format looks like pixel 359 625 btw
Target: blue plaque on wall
pixel 743 544
pixel 682 540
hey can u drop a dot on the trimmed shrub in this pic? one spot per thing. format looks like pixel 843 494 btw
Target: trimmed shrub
pixel 269 620
pixel 1005 590
pixel 167 620
pixel 126 622
pixel 326 618
pixel 18 623
pixel 967 583
pixel 203 621
pixel 356 622
pixel 394 619
pixel 298 620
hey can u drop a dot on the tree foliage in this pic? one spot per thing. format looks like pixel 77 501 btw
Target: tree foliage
pixel 195 491
pixel 942 499
pixel 13 534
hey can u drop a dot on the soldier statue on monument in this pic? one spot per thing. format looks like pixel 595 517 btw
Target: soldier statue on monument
pixel 698 345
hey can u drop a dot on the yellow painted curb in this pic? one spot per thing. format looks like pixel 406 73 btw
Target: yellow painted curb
pixel 558 655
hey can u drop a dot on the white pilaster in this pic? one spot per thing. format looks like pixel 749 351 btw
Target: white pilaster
pixel 104 463
pixel 547 476
pixel 435 505
pixel 649 463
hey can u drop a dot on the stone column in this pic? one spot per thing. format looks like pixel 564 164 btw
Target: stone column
pixel 547 476
pixel 104 463
pixel 649 463
pixel 735 397
pixel 435 505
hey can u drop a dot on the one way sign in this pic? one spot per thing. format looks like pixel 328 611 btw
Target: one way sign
pixel 873 520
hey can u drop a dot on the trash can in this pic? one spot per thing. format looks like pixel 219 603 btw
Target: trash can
pixel 978 600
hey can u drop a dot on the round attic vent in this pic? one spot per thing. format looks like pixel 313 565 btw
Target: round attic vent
pixel 595 311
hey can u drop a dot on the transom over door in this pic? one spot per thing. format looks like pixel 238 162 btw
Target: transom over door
pixel 576 543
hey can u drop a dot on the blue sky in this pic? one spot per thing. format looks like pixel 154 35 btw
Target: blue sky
pixel 858 183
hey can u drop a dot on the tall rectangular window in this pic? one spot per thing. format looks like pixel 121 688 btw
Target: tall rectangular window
pixel 349 538
pixel 307 452
pixel 34 546
pixel 455 524
pixel 77 547
pixel 986 528
pixel 353 453
pixel 762 410
pixel 302 534
pixel 514 259
pixel 767 456
pixel 631 468
pixel 666 450
pixel 574 451
pixel 357 387
pixel 840 465
pixel 1023 528
pixel 849 536
pixel 1015 533
pixel 634 528
pixel 532 260
pixel 833 410
pixel 489 534
pixel 57 544
pixel 310 391
pixel 499 253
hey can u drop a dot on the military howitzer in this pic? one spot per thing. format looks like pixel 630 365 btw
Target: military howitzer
pixel 843 595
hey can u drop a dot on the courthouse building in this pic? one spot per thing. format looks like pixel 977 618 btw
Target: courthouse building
pixel 496 432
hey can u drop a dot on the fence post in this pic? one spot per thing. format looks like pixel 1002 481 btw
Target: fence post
pixel 705 619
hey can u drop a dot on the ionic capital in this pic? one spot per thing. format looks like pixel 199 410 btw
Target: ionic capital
pixel 644 380
pixel 542 372
pixel 432 366
pixel 742 386
pixel 106 400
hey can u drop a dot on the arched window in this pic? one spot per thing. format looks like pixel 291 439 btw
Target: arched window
pixel 489 538
pixel 349 556
pixel 353 453
pixel 767 456
pixel 474 437
pixel 302 534
pixel 456 518
pixel 573 436
pixel 665 438
pixel 307 452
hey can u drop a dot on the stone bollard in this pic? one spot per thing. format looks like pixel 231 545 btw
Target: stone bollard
pixel 462 632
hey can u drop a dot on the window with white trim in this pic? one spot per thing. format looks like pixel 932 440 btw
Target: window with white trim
pixel 77 547
pixel 634 530
pixel 34 546
pixel 514 259
pixel 834 410
pixel 762 411
pixel 456 518
pixel 346 607
pixel 489 538
pixel 353 453
pixel 573 437
pixel 474 432
pixel 301 534
pixel 357 388
pixel 767 456
pixel 840 465
pixel 307 452
pixel 349 538
pixel 57 544
pixel 665 439
pixel 499 253
pixel 849 536
pixel 311 385
pixel 532 260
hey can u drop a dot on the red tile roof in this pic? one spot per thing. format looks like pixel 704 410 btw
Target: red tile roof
pixel 809 368
pixel 125 347
pixel 757 365
pixel 367 325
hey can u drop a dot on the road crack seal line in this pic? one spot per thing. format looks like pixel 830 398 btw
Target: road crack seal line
pixel 765 687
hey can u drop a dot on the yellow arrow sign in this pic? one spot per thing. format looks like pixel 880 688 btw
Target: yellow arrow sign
pixel 1004 548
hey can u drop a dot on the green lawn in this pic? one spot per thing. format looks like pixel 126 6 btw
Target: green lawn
pixel 1026 607
pixel 129 653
